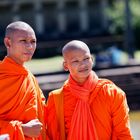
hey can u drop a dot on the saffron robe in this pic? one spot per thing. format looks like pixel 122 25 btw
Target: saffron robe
pixel 21 100
pixel 108 106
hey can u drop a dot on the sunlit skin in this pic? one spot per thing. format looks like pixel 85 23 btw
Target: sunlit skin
pixel 21 44
pixel 20 41
pixel 77 60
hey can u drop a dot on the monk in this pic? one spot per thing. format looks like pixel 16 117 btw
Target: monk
pixel 21 100
pixel 86 107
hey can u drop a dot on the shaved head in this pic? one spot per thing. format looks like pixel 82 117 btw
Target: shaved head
pixel 74 45
pixel 16 26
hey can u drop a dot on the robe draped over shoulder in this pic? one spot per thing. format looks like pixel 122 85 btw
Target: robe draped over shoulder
pixel 21 100
pixel 108 106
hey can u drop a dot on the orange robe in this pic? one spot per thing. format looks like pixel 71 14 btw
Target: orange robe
pixel 21 100
pixel 108 107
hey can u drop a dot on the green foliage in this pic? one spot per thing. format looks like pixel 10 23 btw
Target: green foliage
pixel 116 14
pixel 136 21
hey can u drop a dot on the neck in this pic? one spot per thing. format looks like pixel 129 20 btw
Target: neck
pixel 15 60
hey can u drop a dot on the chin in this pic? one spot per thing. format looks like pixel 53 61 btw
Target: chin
pixel 83 76
pixel 85 73
pixel 27 59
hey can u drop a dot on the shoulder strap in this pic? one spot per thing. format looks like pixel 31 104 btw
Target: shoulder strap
pixel 59 106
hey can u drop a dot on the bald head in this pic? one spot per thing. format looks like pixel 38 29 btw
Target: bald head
pixel 17 26
pixel 74 45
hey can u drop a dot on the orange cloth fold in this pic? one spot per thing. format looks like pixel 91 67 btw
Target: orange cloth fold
pixel 107 109
pixel 21 99
pixel 82 126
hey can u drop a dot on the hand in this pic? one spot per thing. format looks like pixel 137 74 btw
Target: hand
pixel 32 128
pixel 4 137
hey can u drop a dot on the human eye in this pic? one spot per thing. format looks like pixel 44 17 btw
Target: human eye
pixel 86 58
pixel 23 40
pixel 33 41
pixel 75 61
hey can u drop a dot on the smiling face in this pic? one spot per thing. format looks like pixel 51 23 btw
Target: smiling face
pixel 21 44
pixel 79 62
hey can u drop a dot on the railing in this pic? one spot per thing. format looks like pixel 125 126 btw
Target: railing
pixel 126 77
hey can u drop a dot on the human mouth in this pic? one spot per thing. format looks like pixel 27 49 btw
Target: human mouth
pixel 28 54
pixel 83 70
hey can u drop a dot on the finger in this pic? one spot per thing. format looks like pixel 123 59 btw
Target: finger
pixel 37 122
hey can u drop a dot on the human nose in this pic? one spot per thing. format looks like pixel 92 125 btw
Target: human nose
pixel 29 45
pixel 82 63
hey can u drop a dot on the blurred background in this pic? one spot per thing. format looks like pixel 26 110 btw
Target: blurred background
pixel 111 29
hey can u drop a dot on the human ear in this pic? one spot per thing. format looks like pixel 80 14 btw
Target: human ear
pixel 65 66
pixel 92 58
pixel 7 42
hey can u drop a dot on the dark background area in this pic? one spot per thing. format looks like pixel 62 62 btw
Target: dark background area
pixel 98 22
